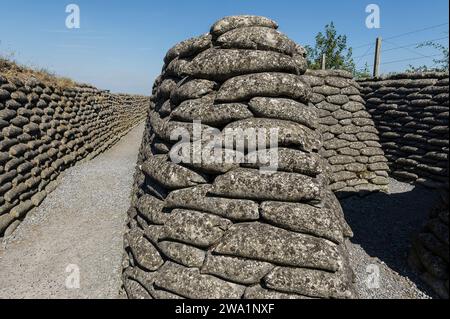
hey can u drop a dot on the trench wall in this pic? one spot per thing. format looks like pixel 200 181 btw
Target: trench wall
pixel 45 129
pixel 411 111
pixel 429 255
pixel 351 142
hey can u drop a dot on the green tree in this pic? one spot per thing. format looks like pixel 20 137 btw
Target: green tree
pixel 334 46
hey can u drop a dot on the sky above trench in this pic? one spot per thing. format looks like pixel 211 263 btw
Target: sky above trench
pixel 120 45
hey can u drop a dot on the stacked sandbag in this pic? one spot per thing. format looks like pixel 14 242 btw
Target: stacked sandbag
pixel 411 111
pixel 46 129
pixel 231 231
pixel 351 140
pixel 121 114
pixel 430 252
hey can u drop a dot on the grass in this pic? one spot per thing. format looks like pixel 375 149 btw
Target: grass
pixel 10 68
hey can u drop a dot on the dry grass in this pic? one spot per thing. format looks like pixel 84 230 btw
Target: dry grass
pixel 9 68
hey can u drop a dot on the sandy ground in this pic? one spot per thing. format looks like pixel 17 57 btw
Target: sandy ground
pixel 75 233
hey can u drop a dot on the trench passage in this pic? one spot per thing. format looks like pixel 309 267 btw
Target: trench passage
pixel 78 228
pixel 82 223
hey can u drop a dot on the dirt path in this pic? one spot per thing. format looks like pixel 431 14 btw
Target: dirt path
pixel 77 229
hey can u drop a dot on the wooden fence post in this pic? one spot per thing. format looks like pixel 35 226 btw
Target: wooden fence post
pixel 376 66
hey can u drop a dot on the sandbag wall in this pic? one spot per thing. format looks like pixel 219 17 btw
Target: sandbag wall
pixel 351 141
pixel 44 130
pixel 430 252
pixel 411 111
pixel 227 230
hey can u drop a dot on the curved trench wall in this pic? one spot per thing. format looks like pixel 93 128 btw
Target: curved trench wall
pixel 411 111
pixel 227 230
pixel 351 140
pixel 44 130
pixel 430 252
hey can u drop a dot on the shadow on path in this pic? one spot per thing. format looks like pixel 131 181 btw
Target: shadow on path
pixel 384 225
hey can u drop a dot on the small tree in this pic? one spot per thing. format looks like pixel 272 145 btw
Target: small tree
pixel 338 54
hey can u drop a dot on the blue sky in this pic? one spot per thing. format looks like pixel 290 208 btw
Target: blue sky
pixel 121 44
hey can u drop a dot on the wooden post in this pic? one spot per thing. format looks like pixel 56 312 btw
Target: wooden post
pixel 324 61
pixel 376 65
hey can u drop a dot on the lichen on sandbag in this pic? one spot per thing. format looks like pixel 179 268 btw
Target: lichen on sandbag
pixel 234 230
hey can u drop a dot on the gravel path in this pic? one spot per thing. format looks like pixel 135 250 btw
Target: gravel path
pixel 77 229
pixel 384 225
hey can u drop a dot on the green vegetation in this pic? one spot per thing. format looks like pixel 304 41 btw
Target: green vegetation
pixel 440 64
pixel 11 68
pixel 337 52
pixel 340 56
pixel 334 46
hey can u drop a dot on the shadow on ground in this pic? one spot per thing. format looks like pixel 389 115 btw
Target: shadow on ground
pixel 384 225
